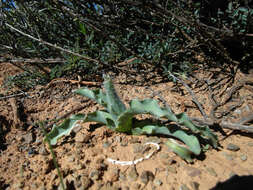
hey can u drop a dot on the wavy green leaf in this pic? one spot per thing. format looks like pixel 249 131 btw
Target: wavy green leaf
pixel 115 105
pixel 124 122
pixel 190 140
pixel 120 119
pixel 205 132
pixel 96 95
pixel 151 106
pixel 101 117
pixel 179 150
pixel 63 129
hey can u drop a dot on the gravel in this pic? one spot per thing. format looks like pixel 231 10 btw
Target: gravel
pixel 132 174
pixel 146 176
pixel 194 185
pixel 228 156
pixel 212 172
pixel 243 157
pixel 158 182
pixel 233 147
pixel 184 187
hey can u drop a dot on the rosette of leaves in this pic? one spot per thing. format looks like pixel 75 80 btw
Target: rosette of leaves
pixel 119 118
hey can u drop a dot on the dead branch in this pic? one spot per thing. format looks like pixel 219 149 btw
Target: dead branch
pixel 13 95
pixel 16 116
pixel 223 124
pixel 22 60
pixel 52 45
pixel 194 98
pixel 246 119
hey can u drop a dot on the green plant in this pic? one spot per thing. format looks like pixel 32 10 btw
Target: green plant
pixel 120 118
pixel 42 126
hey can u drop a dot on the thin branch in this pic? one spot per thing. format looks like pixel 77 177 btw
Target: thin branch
pixel 224 124
pixel 22 60
pixel 5 47
pixel 52 45
pixel 236 126
pixel 246 119
pixel 194 98
pixel 13 95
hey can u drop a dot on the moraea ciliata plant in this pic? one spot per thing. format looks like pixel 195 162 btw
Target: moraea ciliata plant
pixel 120 118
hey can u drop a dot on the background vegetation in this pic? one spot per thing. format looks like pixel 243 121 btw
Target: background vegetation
pixel 162 36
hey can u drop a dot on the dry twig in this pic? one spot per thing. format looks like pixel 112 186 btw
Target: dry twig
pixel 57 60
pixel 194 98
pixel 52 45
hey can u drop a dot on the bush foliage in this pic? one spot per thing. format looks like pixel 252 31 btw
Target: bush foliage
pixel 162 35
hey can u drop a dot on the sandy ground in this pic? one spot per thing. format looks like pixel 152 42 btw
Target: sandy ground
pixel 25 162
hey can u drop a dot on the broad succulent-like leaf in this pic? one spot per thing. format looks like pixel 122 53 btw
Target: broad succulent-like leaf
pixel 124 122
pixel 115 105
pixel 190 140
pixel 120 119
pixel 151 106
pixel 97 95
pixel 101 117
pixel 63 129
pixel 204 131
pixel 179 150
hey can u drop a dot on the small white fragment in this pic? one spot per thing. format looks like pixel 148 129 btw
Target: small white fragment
pixel 126 163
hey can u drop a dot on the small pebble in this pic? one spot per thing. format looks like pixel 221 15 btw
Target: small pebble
pixel 184 187
pixel 228 156
pixel 122 176
pixel 146 176
pixel 137 148
pixel 43 151
pixel 53 176
pixel 192 172
pixel 153 139
pixel 250 144
pixel 158 182
pixel 167 162
pixel 171 169
pixel 164 156
pixel 233 147
pixel 194 185
pixel 80 166
pixel 71 158
pixel 77 128
pixel 118 139
pixel 106 144
pixel 82 138
pixel 232 174
pixel 212 172
pixel 42 187
pixel 124 142
pixel 96 151
pixel 31 151
pixel 94 175
pixel 136 186
pixel 134 140
pixel 38 141
pixel 109 187
pixel 114 175
pixel 132 174
pixel 18 185
pixel 28 138
pixel 34 186
pixel 125 188
pixel 243 157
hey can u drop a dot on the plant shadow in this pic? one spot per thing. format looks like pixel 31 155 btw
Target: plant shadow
pixel 235 183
